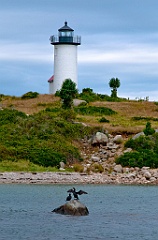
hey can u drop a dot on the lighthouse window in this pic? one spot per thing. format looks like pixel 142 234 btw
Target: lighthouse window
pixel 65 34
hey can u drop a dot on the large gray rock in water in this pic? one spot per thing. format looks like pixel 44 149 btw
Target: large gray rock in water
pixel 73 207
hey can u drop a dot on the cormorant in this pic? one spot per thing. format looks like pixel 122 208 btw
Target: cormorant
pixel 80 192
pixel 68 197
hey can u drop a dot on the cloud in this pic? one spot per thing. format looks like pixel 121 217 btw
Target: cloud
pixel 26 52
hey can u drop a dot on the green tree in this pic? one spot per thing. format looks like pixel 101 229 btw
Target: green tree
pixel 87 90
pixel 148 130
pixel 114 83
pixel 67 93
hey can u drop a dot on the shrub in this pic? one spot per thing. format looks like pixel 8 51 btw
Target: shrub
pixel 67 92
pixel 88 95
pixel 145 152
pixel 148 130
pixel 103 119
pixel 140 143
pixel 45 138
pixel 8 116
pixel 92 110
pixel 67 114
pixel 96 167
pixel 144 118
pixel 45 156
pixel 29 95
pixel 146 158
pixel 78 168
pixel 7 153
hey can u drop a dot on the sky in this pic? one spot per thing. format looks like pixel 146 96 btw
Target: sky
pixel 119 39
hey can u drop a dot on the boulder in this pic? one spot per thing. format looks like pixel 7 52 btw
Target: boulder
pixel 118 139
pixel 73 207
pixel 95 158
pixel 127 150
pixel 77 102
pixel 99 138
pixel 147 175
pixel 62 166
pixel 118 169
pixel 138 135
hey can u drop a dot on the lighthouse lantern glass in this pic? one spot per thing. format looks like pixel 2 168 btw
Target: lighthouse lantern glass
pixel 65 34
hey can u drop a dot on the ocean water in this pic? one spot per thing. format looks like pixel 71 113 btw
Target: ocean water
pixel 115 212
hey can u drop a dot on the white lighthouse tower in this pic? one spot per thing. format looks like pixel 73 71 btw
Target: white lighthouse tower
pixel 65 57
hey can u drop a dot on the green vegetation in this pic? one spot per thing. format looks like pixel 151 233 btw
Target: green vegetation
pixel 92 110
pixel 30 95
pixel 67 92
pixel 78 168
pixel 39 140
pixel 146 158
pixel 114 83
pixel 24 166
pixel 148 130
pixel 144 118
pixel 83 110
pixel 145 150
pixel 10 116
pixel 88 95
pixel 97 168
pixel 43 139
pixel 103 120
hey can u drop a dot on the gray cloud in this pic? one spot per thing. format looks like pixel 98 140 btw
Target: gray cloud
pixel 119 39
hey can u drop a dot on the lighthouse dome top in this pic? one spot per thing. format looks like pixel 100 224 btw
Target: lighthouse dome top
pixel 65 28
pixel 65 36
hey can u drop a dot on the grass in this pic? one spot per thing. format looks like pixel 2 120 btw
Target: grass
pixel 23 166
pixel 125 120
pixel 26 166
pixel 130 119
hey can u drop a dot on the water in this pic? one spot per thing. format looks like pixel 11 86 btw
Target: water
pixel 116 212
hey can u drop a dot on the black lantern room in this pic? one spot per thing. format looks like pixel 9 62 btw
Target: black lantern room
pixel 65 36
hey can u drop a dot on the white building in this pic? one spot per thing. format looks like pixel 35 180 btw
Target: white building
pixel 65 57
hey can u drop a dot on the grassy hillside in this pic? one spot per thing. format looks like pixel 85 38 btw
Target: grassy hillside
pixel 131 116
pixel 36 134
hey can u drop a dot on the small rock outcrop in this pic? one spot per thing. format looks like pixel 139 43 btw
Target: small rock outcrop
pixel 77 102
pixel 138 135
pixel 99 138
pixel 73 207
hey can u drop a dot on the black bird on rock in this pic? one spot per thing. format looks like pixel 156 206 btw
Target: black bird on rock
pixel 69 197
pixel 73 191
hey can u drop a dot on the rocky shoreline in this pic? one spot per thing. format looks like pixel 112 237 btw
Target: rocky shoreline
pixel 133 176
pixel 100 150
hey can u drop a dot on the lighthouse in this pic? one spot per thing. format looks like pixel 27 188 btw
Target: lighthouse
pixel 65 57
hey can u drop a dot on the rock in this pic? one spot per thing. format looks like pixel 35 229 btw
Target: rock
pixel 99 138
pixel 131 175
pixel 81 123
pixel 118 139
pixel 95 158
pixel 138 135
pixel 118 169
pixel 145 168
pixel 126 170
pixel 77 102
pixel 152 179
pixel 73 207
pixel 111 146
pixel 147 175
pixel 62 165
pixel 127 150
